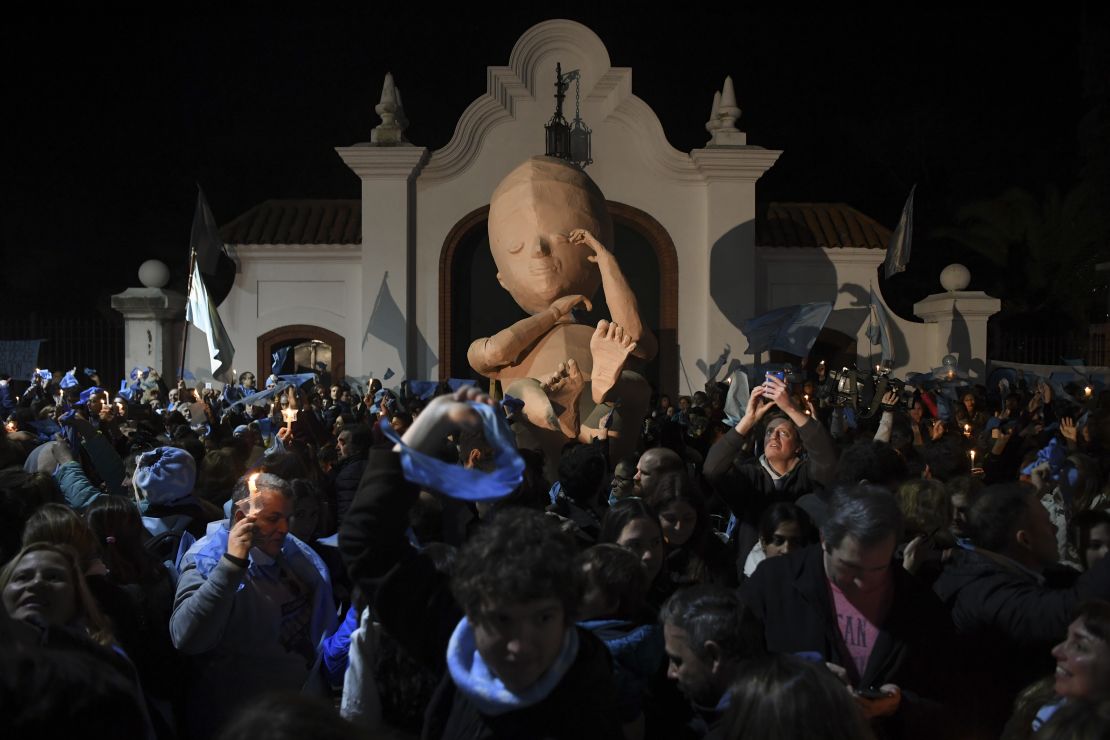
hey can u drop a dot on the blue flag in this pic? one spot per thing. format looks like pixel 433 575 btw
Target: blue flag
pixel 792 329
pixel 898 251
pixel 388 373
pixel 878 332
pixel 279 359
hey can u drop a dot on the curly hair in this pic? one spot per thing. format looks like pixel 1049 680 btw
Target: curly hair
pixel 520 556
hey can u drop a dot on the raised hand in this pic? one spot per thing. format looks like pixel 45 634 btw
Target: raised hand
pixel 581 236
pixel 241 537
pixel 444 415
pixel 562 306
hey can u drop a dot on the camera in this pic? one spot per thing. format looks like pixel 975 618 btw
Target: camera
pixel 863 392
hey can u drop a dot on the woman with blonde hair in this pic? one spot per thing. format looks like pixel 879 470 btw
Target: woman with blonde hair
pixel 44 585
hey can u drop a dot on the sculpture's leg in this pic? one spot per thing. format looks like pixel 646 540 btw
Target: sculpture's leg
pixel 632 394
pixel 609 347
pixel 537 406
pixel 564 388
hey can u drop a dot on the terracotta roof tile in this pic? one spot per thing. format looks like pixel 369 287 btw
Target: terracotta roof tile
pixel 298 222
pixel 835 225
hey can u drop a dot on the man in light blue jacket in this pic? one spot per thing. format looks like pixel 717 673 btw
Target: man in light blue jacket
pixel 252 606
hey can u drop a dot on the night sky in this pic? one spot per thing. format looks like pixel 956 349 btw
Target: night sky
pixel 112 120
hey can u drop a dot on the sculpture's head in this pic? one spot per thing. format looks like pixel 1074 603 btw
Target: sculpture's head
pixel 531 215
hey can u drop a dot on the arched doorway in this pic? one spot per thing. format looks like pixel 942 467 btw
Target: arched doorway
pixel 472 304
pixel 308 344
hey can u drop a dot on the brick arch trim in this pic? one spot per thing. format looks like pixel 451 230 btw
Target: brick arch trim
pixel 267 341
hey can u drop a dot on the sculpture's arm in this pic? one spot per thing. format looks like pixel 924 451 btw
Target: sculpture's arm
pixel 618 295
pixel 488 355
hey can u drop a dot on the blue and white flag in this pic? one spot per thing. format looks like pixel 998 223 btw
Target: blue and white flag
pixel 792 329
pixel 898 251
pixel 878 332
pixel 279 358
pixel 201 313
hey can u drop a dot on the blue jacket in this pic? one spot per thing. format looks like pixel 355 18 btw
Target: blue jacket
pixel 223 617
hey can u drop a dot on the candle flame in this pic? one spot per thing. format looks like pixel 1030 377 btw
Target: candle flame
pixel 251 485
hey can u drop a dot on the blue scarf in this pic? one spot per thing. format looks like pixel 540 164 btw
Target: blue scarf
pixel 478 683
pixel 456 481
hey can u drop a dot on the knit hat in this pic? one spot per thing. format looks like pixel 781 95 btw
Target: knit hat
pixel 165 475
pixel 88 393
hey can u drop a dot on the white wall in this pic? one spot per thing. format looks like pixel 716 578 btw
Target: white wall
pixel 279 285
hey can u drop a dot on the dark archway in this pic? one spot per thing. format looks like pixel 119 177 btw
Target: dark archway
pixel 472 304
pixel 285 336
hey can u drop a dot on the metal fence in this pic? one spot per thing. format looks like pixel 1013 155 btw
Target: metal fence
pixel 1052 349
pixel 86 341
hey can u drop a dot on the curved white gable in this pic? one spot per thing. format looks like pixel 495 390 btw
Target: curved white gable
pixel 522 94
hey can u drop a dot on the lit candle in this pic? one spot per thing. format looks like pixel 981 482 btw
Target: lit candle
pixel 255 499
pixel 967 430
pixel 972 453
pixel 1088 390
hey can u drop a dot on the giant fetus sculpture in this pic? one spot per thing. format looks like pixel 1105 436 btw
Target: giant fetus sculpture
pixel 548 227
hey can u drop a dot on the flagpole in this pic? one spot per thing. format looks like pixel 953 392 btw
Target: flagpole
pixel 185 331
pixel 870 326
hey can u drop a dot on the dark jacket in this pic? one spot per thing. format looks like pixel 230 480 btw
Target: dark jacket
pixel 748 489
pixel 414 603
pixel 344 479
pixel 915 648
pixel 1010 622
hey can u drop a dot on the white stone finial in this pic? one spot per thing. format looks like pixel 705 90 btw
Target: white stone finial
pixel 722 128
pixel 391 131
pixel 728 97
pixel 713 124
pixel 154 274
pixel 955 277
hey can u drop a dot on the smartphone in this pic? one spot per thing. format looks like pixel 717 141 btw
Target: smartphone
pixel 871 694
pixel 207 386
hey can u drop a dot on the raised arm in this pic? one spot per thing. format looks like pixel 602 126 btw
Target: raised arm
pixel 619 296
pixel 488 355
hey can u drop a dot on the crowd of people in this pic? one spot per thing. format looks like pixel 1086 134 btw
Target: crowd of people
pixel 317 559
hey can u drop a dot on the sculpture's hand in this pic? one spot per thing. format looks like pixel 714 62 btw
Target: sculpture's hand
pixel 581 236
pixel 562 306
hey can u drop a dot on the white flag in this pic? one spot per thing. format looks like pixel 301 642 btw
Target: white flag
pixel 202 314
pixel 898 251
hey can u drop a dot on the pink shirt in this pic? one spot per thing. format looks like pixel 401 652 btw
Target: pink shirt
pixel 858 623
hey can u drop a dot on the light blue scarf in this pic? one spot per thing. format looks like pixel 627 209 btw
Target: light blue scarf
pixel 457 481
pixel 478 683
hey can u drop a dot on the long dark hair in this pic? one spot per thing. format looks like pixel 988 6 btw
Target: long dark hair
pixel 119 531
pixel 784 696
pixel 621 514
pixel 677 486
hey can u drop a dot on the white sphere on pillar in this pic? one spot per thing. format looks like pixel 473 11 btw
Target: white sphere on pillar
pixel 955 277
pixel 154 274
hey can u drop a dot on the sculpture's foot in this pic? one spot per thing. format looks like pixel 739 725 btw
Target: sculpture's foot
pixel 563 388
pixel 610 347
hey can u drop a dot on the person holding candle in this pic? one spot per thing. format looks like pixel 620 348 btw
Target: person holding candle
pixel 252 606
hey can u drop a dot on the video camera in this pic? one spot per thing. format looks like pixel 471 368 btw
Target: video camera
pixel 863 392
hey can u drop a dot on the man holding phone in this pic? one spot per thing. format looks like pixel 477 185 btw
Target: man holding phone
pixel 849 604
